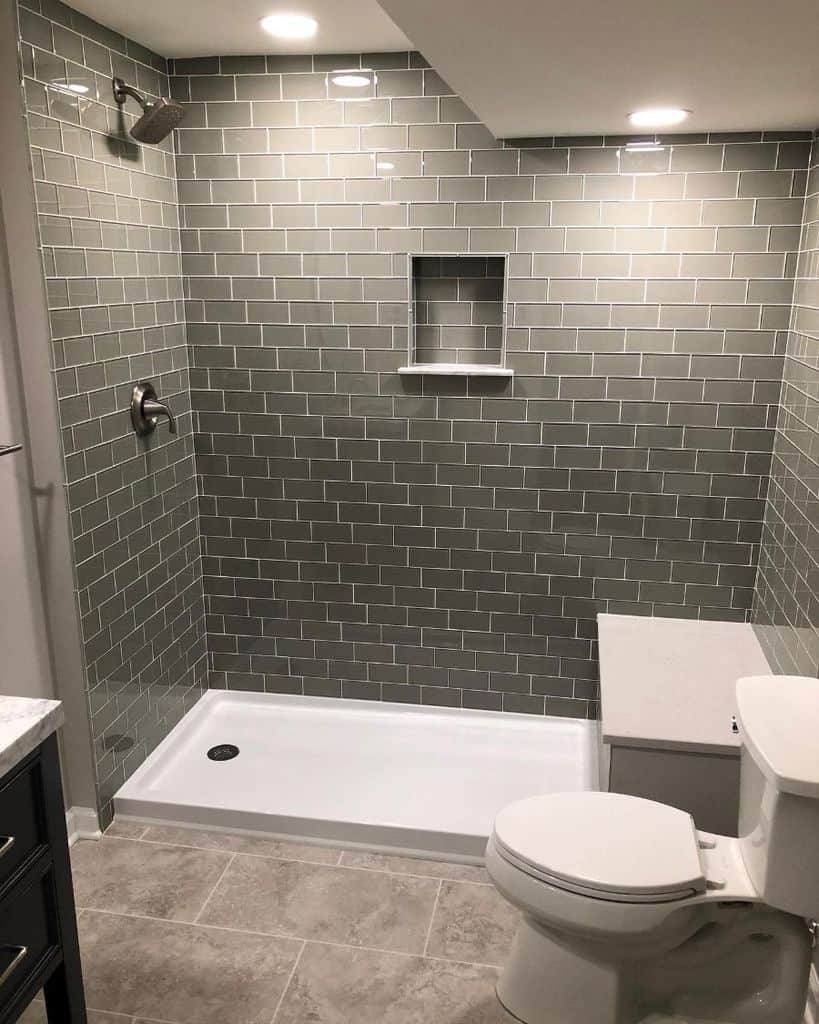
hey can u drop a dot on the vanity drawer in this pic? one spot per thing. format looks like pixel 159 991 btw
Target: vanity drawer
pixel 22 829
pixel 28 932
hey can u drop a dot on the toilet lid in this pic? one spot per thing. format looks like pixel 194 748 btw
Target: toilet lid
pixel 606 845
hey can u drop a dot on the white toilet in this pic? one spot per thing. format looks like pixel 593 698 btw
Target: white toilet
pixel 630 912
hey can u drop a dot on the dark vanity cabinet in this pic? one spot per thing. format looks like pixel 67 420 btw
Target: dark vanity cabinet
pixel 38 928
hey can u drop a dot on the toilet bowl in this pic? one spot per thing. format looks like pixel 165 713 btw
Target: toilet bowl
pixel 628 911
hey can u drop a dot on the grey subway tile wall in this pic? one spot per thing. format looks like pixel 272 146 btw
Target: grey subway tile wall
pixel 786 609
pixel 109 230
pixel 422 539
pixel 450 541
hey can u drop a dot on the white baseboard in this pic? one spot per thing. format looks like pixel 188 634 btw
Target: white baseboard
pixel 812 1008
pixel 82 823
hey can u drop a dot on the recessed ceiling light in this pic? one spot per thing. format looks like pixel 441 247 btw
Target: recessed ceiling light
pixel 350 80
pixel 658 117
pixel 287 25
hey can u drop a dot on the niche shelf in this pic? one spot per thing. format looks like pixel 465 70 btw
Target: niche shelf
pixel 457 315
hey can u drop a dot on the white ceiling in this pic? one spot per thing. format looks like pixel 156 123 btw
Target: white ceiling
pixel 551 67
pixel 202 28
pixel 541 67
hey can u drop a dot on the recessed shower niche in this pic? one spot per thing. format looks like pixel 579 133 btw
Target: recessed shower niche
pixel 457 315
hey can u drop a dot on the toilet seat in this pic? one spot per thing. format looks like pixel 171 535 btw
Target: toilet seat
pixel 606 846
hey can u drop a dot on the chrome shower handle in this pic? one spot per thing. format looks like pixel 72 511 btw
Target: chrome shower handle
pixel 151 409
pixel 145 408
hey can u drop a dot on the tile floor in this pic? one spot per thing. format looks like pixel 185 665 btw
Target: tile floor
pixel 186 927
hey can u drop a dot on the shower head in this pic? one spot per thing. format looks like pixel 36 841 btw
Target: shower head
pixel 158 119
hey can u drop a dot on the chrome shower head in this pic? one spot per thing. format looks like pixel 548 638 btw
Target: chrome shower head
pixel 158 119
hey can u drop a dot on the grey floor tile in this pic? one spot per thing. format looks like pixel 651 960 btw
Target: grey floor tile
pixel 363 908
pixel 414 866
pixel 473 923
pixel 184 973
pixel 35 1013
pixel 125 829
pixel 124 876
pixel 241 844
pixel 338 985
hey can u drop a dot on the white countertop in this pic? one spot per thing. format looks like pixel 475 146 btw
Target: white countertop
pixel 671 683
pixel 24 724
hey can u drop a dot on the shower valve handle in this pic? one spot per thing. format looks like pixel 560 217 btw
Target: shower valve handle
pixel 145 408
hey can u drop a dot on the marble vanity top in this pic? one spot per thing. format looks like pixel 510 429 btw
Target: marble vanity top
pixel 24 724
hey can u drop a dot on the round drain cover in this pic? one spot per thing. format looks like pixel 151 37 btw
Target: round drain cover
pixel 223 752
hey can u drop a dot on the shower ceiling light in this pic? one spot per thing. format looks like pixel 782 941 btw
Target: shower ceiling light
pixel 351 80
pixel 658 117
pixel 287 25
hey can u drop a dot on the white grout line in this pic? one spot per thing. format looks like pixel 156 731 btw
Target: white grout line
pixel 291 938
pixel 432 917
pixel 463 963
pixel 131 1018
pixel 213 890
pixel 288 982
pixel 413 874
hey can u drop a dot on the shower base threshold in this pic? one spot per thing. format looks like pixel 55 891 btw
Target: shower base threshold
pixel 390 777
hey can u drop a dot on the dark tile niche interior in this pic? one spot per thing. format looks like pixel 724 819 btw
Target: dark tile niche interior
pixel 458 309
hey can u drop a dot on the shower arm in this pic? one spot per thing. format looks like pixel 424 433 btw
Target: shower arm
pixel 123 91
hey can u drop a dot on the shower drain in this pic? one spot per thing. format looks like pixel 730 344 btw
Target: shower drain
pixel 223 752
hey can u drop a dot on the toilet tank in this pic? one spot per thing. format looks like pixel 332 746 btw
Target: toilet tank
pixel 779 789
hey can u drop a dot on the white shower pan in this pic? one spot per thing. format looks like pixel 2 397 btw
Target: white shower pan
pixel 356 773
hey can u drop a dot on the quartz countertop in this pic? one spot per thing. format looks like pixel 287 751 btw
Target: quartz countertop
pixel 24 723
pixel 671 683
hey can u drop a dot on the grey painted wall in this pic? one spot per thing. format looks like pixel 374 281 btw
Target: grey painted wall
pixel 786 609
pixel 26 662
pixel 110 245
pixel 36 473
pixel 447 541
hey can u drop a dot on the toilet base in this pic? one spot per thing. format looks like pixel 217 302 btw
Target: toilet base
pixel 545 982
pixel 711 978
